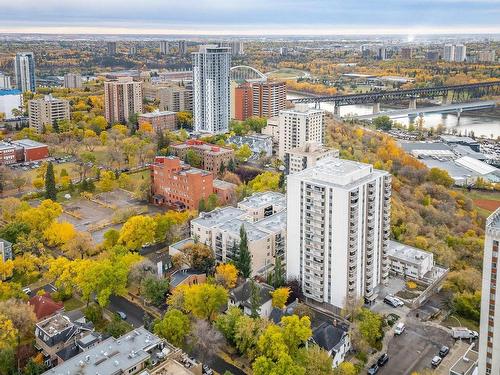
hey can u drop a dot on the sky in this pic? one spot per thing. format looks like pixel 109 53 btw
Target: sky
pixel 250 17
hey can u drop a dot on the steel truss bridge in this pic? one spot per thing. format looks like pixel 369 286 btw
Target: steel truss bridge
pixel 458 93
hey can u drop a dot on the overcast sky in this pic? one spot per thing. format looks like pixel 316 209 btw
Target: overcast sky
pixel 250 16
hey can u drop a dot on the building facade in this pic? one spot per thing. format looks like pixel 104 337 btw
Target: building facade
pixel 212 157
pixel 176 184
pixel 211 89
pixel 5 82
pixel 243 102
pixel 263 216
pixel 9 100
pixel 299 158
pixel 122 98
pixel 46 111
pixel 160 120
pixel 407 53
pixel 111 48
pixel 72 81
pixel 449 52
pixel 338 231
pixel 489 333
pixel 173 96
pixel 164 47
pixel 298 126
pixel 182 47
pixel 268 98
pixel 24 67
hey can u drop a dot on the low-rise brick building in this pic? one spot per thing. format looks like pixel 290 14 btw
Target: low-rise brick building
pixel 31 150
pixel 160 120
pixel 177 184
pixel 212 156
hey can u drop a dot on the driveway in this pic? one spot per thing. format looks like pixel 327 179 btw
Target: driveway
pixel 414 349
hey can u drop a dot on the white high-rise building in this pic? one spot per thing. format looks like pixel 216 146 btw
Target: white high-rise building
pixel 164 47
pixel 338 231
pixel 460 53
pixel 489 337
pixel 449 52
pixel 211 89
pixel 24 67
pixel 483 56
pixel 72 81
pixel 4 82
pixel 298 126
pixel 237 48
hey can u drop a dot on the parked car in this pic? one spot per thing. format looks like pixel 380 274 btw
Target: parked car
pixel 373 369
pixel 436 361
pixel 207 370
pixel 122 315
pixel 393 301
pixel 27 290
pixel 400 328
pixel 443 352
pixel 383 359
pixel 463 333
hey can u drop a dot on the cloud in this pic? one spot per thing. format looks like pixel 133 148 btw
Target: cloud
pixel 253 15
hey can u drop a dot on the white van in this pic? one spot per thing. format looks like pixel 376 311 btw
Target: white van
pixel 400 327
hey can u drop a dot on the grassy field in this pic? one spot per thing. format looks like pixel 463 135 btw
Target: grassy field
pixel 72 304
pixel 287 73
pixel 485 201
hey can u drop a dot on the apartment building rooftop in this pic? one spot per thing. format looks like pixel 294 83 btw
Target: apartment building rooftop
pixel 493 220
pixel 259 200
pixel 156 114
pixel 112 356
pixel 252 230
pixel 273 223
pixel 408 253
pixel 302 109
pixel 205 147
pixel 338 172
pixel 311 149
pixel 5 146
pixel 55 324
pixel 28 143
pixel 218 216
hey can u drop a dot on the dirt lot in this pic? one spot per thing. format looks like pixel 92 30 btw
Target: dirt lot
pixel 487 204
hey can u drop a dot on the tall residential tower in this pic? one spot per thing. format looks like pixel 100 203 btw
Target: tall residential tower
pixel 122 98
pixel 338 231
pixel 489 337
pixel 211 89
pixel 25 71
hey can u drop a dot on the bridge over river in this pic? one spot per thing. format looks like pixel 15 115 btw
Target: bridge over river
pixel 456 108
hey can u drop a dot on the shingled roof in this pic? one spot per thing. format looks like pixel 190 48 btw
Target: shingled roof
pixel 44 306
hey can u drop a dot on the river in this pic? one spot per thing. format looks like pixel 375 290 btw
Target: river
pixel 485 123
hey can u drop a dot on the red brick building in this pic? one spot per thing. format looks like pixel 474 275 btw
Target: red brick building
pixel 31 150
pixel 261 99
pixel 212 156
pixel 176 184
pixel 243 102
pixel 7 153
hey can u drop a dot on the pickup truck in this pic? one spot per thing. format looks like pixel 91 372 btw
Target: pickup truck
pixel 463 333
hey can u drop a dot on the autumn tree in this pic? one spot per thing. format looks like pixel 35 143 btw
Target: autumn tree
pixel 174 327
pixel 139 271
pixel 205 300
pixel 226 323
pixel 80 246
pixel 137 231
pixel 345 368
pixel 246 334
pixel 280 297
pixel 197 256
pixel 440 177
pixel 315 360
pixel 21 315
pixel 265 181
pixel 226 275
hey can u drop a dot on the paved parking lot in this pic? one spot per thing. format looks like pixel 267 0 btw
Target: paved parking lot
pixel 414 349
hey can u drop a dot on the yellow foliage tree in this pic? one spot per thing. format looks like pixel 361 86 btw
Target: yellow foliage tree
pixel 107 181
pixel 6 269
pixel 226 275
pixel 137 231
pixel 41 217
pixel 280 296
pixel 8 333
pixel 59 233
pixel 146 127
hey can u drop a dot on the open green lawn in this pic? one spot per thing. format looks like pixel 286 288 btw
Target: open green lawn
pixel 287 73
pixel 72 304
pixel 484 201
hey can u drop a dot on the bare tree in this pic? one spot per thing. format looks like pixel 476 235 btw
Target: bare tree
pixel 205 340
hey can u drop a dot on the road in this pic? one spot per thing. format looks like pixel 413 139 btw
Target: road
pixel 135 314
pixel 414 349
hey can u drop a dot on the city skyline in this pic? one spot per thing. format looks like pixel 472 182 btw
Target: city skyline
pixel 223 17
